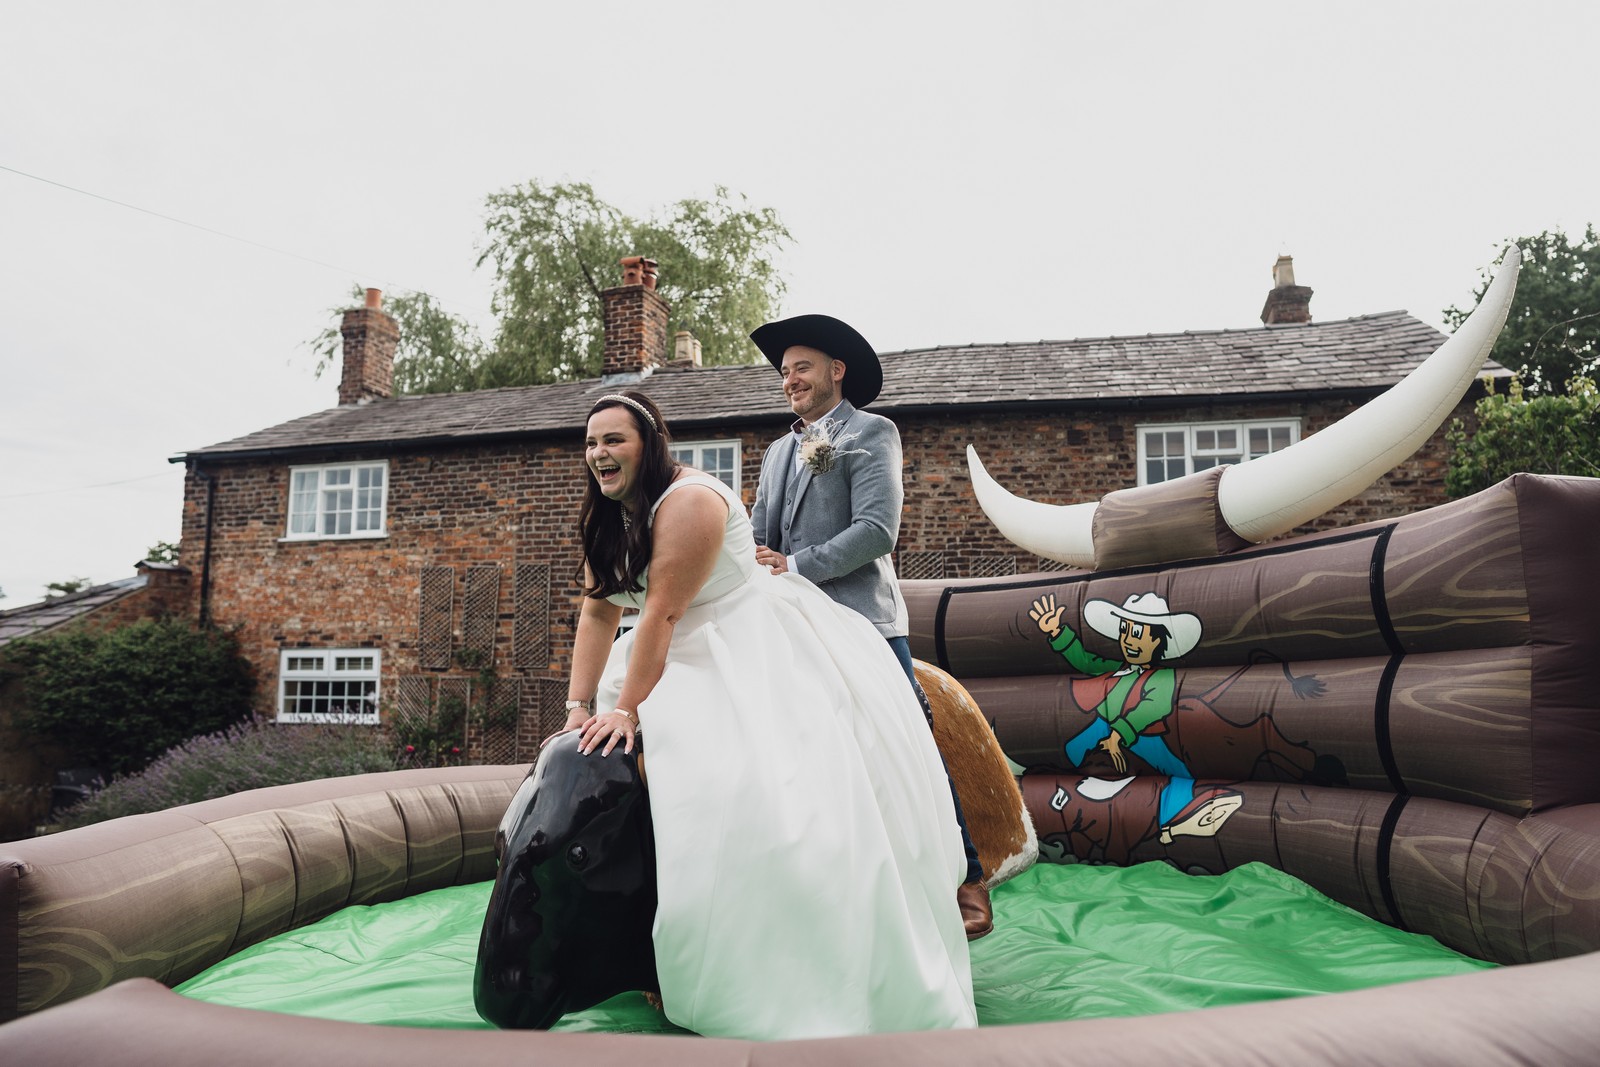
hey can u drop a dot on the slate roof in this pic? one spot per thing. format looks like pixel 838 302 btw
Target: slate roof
pixel 31 619
pixel 1348 356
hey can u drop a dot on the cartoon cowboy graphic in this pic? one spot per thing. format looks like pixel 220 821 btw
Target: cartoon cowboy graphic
pixel 1131 700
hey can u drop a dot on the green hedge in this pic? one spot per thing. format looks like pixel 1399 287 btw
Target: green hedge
pixel 1519 433
pixel 116 699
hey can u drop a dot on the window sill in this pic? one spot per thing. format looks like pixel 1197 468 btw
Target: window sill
pixel 300 539
pixel 294 718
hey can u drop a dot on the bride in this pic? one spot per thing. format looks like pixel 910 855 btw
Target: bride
pixel 806 842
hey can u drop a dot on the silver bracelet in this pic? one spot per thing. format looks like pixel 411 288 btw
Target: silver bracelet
pixel 630 716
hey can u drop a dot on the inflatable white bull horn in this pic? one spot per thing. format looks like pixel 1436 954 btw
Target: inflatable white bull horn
pixel 1272 495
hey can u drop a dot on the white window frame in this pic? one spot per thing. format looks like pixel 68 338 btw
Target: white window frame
pixel 317 484
pixel 330 667
pixel 1215 457
pixel 698 449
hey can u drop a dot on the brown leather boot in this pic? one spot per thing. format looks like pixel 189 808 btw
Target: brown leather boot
pixel 977 915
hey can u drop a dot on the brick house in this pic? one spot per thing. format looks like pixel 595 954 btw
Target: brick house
pixel 29 772
pixel 401 555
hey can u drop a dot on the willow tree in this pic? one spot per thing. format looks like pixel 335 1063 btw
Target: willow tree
pixel 554 249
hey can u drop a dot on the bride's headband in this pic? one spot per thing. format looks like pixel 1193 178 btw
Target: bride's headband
pixel 632 403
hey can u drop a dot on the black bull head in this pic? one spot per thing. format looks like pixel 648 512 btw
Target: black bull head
pixel 575 895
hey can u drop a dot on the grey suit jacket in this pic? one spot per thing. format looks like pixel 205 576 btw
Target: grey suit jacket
pixel 841 526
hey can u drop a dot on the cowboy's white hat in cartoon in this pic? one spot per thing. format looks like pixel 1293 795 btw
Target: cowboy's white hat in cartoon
pixel 1183 629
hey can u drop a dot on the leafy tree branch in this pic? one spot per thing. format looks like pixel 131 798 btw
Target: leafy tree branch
pixel 1552 334
pixel 554 250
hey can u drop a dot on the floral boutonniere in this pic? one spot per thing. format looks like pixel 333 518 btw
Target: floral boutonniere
pixel 822 445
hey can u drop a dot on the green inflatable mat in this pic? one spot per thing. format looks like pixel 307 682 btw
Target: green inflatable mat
pixel 1070 942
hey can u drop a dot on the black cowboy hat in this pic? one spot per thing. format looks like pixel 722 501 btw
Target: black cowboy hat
pixel 863 374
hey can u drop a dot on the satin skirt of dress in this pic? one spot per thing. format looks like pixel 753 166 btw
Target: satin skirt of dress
pixel 806 842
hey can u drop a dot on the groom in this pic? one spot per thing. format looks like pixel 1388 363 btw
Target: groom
pixel 834 518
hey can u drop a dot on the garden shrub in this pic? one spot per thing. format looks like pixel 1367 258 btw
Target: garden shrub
pixel 116 699
pixel 1520 432
pixel 247 755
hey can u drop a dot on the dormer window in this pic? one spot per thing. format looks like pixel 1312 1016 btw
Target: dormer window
pixel 337 500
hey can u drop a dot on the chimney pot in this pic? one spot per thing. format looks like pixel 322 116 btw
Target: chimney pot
pixel 1286 301
pixel 1283 272
pixel 685 349
pixel 637 270
pixel 375 299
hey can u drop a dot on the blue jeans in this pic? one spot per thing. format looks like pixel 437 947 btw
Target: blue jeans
pixel 902 652
pixel 1178 791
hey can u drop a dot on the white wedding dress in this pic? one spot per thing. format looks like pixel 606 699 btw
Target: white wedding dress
pixel 806 844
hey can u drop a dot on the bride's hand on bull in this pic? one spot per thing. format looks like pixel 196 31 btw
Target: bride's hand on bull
pixel 1047 615
pixel 611 729
pixel 577 716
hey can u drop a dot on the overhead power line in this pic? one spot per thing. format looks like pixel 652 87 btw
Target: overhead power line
pixel 182 222
pixel 81 488
pixel 219 233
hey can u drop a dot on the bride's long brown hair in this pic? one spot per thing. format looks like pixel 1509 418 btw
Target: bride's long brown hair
pixel 616 555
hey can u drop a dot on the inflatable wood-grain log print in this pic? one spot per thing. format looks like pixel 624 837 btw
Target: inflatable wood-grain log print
pixel 1378 710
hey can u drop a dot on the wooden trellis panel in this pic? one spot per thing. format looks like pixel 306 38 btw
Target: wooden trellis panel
pixel 544 711
pixel 480 609
pixel 413 701
pixel 991 567
pixel 920 565
pixel 452 711
pixel 530 631
pixel 437 607
pixel 492 732
pixel 409 714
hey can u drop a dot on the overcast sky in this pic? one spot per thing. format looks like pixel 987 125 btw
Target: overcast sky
pixel 951 173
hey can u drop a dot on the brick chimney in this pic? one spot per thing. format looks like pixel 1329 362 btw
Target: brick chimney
pixel 1286 302
pixel 370 336
pixel 636 323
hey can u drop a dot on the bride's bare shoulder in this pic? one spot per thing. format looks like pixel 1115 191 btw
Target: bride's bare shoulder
pixel 690 492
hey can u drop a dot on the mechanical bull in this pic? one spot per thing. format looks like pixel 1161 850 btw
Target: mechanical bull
pixel 569 920
pixel 568 924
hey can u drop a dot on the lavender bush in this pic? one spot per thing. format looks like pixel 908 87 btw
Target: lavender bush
pixel 248 755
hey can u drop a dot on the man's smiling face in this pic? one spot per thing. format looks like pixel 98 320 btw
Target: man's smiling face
pixel 810 381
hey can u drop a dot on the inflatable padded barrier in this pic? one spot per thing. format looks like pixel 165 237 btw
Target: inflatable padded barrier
pixel 1495 855
pixel 1074 942
pixel 89 918
pixel 1403 714
pixel 166 895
